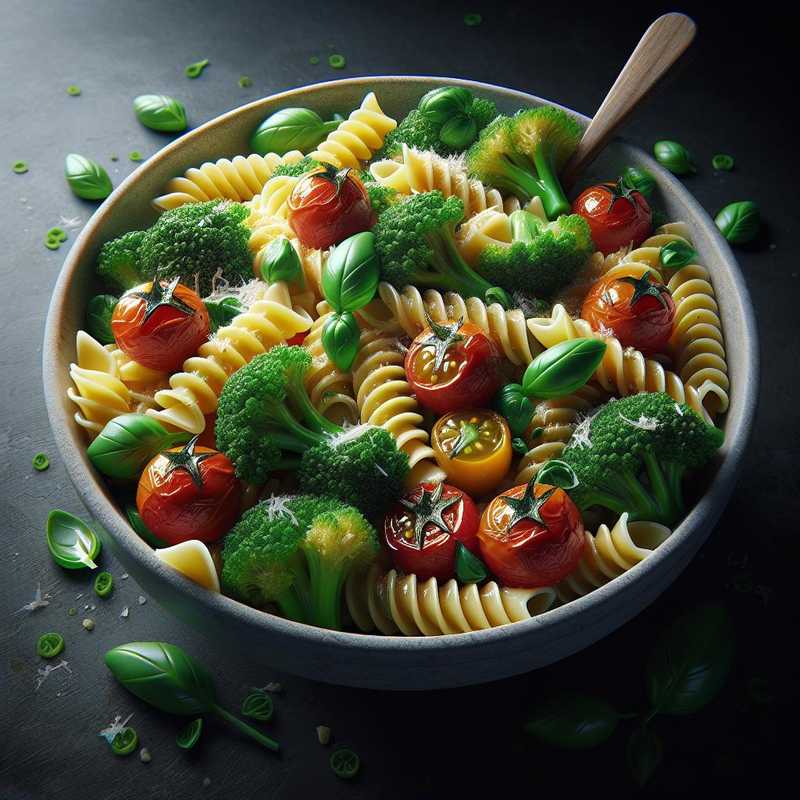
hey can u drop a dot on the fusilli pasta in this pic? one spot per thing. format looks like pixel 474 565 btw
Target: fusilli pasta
pixel 385 398
pixel 239 179
pixel 609 553
pixel 194 392
pixel 273 199
pixel 358 137
pixel 391 602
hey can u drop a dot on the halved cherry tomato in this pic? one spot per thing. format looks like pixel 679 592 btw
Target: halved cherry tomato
pixel 189 493
pixel 298 338
pixel 618 216
pixel 327 206
pixel 473 448
pixel 531 536
pixel 638 311
pixel 452 366
pixel 160 324
pixel 423 529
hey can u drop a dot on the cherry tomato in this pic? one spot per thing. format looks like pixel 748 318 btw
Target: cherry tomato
pixel 531 536
pixel 453 366
pixel 638 311
pixel 618 216
pixel 327 206
pixel 160 324
pixel 473 448
pixel 298 338
pixel 423 529
pixel 189 493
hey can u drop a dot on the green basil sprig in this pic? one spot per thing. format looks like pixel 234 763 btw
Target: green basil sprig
pixel 128 442
pixel 71 542
pixel 98 317
pixel 573 721
pixel 676 254
pixel 675 157
pixel 280 262
pixel 562 369
pixel 351 274
pixel 159 112
pixel 170 680
pixel 739 222
pixel 557 473
pixel 469 568
pixel 290 129
pixel 340 338
pixel 87 179
pixel 515 406
pixel 640 180
pixel 222 312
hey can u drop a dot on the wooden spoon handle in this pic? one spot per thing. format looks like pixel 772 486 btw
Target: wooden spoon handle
pixel 661 46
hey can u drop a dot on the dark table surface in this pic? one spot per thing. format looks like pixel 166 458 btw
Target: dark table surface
pixel 730 96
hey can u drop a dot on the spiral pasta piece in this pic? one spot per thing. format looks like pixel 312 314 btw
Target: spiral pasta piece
pixel 385 398
pixel 557 419
pixel 649 251
pixel 609 553
pixel 273 199
pixel 506 328
pixel 358 137
pixel 330 390
pixel 194 392
pixel 238 179
pixel 100 391
pixel 623 370
pixel 392 603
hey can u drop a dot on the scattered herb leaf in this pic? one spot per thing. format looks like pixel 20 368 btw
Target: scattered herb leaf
pixel 674 156
pixel 87 179
pixel 40 462
pixel 345 763
pixel 245 82
pixel 189 735
pixel 739 222
pixel 50 645
pixel 471 20
pixel 104 584
pixel 72 543
pixel 573 721
pixel 258 705
pixel 643 753
pixel 20 167
pixel 722 162
pixel 73 90
pixel 196 70
pixel 469 568
pixel 125 742
pixel 677 254
pixel 159 112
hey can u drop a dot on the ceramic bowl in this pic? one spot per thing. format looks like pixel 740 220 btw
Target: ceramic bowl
pixel 380 661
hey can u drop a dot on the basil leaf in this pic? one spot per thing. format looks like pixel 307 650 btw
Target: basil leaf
pixel 690 663
pixel 290 129
pixel 519 446
pixel 674 156
pixel 739 222
pixel 557 473
pixel 469 568
pixel 640 180
pixel 127 442
pixel 137 523
pixel 459 132
pixel 71 542
pixel 644 753
pixel 98 317
pixel 159 112
pixel 441 105
pixel 677 254
pixel 518 410
pixel 280 262
pixel 188 736
pixel 562 369
pixel 87 178
pixel 351 273
pixel 340 338
pixel 222 312
pixel 573 721
pixel 498 295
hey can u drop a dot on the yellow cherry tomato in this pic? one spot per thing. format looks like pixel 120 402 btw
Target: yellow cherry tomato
pixel 473 448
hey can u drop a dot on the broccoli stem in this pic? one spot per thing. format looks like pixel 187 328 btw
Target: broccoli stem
pixel 455 273
pixel 305 408
pixel 549 189
pixel 643 506
pixel 291 607
pixel 326 590
pixel 290 434
pixel 518 180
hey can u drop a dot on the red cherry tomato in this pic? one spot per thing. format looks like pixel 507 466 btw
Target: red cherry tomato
pixel 417 542
pixel 327 206
pixel 298 338
pixel 453 367
pixel 160 325
pixel 638 311
pixel 189 493
pixel 523 552
pixel 617 216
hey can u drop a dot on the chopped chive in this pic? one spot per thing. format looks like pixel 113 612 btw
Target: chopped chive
pixel 73 90
pixel 722 162
pixel 313 60
pixel 245 82
pixel 57 233
pixel 472 19
pixel 20 167
pixel 115 158
pixel 337 61
pixel 52 244
pixel 104 584
pixel 345 763
pixel 40 462
pixel 196 69
pixel 50 645
pixel 135 155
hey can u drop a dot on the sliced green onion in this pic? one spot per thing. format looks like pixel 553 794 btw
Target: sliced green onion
pixel 124 743
pixel 40 462
pixel 245 82
pixel 345 763
pixel 188 736
pixel 52 244
pixel 103 584
pixel 57 233
pixel 73 90
pixel 313 60
pixel 472 19
pixel 196 70
pixel 20 167
pixel 50 645
pixel 135 155
pixel 337 61
pixel 722 162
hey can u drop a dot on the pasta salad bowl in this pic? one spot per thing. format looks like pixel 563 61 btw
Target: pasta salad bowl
pixel 400 631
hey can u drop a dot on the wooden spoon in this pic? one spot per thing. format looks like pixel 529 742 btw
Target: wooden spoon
pixel 661 46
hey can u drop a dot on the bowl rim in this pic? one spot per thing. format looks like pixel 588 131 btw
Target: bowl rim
pixel 90 489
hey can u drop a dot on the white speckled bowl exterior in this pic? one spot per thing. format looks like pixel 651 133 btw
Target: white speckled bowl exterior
pixel 381 661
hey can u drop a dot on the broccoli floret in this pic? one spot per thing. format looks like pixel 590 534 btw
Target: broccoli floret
pixel 118 262
pixel 266 422
pixel 632 456
pixel 297 552
pixel 483 112
pixel 380 197
pixel 198 242
pixel 542 256
pixel 415 242
pixel 524 153
pixel 299 168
